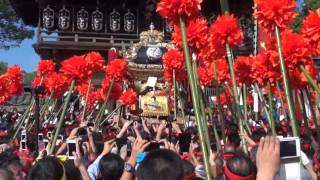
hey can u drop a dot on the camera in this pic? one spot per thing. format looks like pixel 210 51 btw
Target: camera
pixel 290 154
pixel 289 147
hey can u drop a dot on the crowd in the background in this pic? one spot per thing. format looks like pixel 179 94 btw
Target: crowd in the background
pixel 134 147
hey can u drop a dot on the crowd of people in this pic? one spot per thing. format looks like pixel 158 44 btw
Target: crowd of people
pixel 134 147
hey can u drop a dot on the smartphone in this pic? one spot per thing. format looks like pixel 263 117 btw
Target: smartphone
pixel 23 136
pixel 23 145
pixel 40 137
pixel 41 145
pixel 71 147
pixel 60 137
pixel 90 124
pixel 289 147
pixel 49 134
pixel 82 132
pixel 46 142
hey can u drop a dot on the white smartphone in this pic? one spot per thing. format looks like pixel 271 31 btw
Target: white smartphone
pixel 290 147
pixel 71 147
pixel 23 145
pixel 41 145
pixel 46 142
pixel 23 135
pixel 40 137
pixel 49 134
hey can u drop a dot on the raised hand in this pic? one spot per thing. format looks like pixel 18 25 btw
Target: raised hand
pixel 268 158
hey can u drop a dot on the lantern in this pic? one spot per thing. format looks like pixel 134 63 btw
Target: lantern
pixel 64 18
pixel 48 17
pixel 82 19
pixel 129 22
pixel 97 20
pixel 114 21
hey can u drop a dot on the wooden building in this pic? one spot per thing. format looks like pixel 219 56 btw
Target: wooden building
pixel 67 27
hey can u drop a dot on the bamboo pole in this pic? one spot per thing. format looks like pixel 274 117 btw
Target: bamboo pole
pixel 222 118
pixel 110 115
pixel 270 119
pixel 303 109
pixel 174 95
pixel 22 119
pixel 104 106
pixel 287 86
pixel 86 101
pixel 61 120
pixel 204 122
pixel 309 78
pixel 194 96
pixel 236 100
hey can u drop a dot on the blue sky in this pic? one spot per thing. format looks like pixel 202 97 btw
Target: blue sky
pixel 24 56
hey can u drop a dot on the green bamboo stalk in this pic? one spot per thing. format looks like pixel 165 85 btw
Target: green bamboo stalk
pixel 236 100
pixel 110 115
pixel 194 96
pixel 310 80
pixel 270 98
pixel 313 113
pixel 104 106
pixel 215 131
pixel 180 100
pixel 270 119
pixel 224 6
pixel 204 124
pixel 174 95
pixel 86 102
pixel 61 120
pixel 229 89
pixel 287 86
pixel 44 108
pixel 222 118
pixel 22 119
pixel 245 109
pixel 303 109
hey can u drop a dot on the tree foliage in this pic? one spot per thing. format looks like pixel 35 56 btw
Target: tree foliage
pixel 12 29
pixel 308 5
pixel 3 67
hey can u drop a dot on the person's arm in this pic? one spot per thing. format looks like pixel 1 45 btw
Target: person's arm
pixel 72 135
pixel 308 164
pixel 268 158
pixel 91 141
pixel 138 146
pixel 136 129
pixel 161 127
pixel 313 174
pixel 61 149
pixel 124 129
pixel 176 127
pixel 81 167
pixel 144 125
pixel 93 169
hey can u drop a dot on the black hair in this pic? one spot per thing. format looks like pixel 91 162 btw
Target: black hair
pixel 240 165
pixel 72 172
pixel 111 166
pixel 48 168
pixel 161 164
pixel 188 168
pixel 234 139
pixel 8 157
